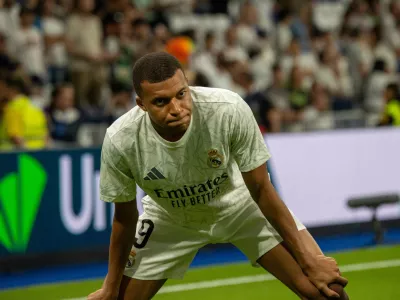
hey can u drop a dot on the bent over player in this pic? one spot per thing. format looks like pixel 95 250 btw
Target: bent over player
pixel 201 159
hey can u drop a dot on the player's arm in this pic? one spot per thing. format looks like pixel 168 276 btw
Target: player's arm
pixel 274 209
pixel 277 213
pixel 251 154
pixel 117 185
pixel 122 238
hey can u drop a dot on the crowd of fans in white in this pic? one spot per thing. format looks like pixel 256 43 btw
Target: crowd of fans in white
pixel 301 65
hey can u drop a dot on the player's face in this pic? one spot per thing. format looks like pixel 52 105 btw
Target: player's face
pixel 168 103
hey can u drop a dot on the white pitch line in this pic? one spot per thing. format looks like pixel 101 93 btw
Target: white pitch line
pixel 265 277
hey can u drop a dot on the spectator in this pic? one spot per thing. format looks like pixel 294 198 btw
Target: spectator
pixel 328 15
pixel 318 115
pixel 87 56
pixel 142 36
pixel 121 101
pixel 284 34
pixel 121 7
pixel 247 26
pixel 271 106
pixel 276 92
pixel 390 17
pixel 301 27
pixel 261 62
pixel 361 16
pixel 9 23
pixel 232 49
pixel 298 98
pixel 332 73
pixel 297 95
pixel 121 69
pixel 382 50
pixel 64 117
pixel 204 61
pixel 391 115
pixel 25 124
pixel 30 44
pixel 37 92
pixel 374 98
pixel 7 63
pixel 306 62
pixel 54 37
pixel 292 72
pixel 360 57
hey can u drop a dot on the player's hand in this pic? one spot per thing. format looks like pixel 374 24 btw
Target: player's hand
pixel 322 271
pixel 102 294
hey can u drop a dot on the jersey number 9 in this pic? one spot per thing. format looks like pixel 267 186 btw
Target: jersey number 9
pixel 143 234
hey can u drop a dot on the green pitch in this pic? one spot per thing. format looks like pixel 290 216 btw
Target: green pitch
pixel 373 274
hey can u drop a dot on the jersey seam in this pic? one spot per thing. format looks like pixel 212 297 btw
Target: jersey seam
pixel 126 125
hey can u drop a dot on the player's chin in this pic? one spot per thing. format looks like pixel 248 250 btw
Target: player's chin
pixel 180 128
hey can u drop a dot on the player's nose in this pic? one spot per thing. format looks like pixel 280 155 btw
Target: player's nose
pixel 174 107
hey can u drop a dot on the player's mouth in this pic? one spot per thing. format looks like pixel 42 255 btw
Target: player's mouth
pixel 178 122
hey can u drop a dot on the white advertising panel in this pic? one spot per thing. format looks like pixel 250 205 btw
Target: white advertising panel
pixel 316 173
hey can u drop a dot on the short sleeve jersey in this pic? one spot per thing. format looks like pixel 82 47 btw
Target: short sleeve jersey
pixel 196 180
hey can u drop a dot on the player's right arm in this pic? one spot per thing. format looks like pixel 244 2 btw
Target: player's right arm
pixel 117 185
pixel 122 238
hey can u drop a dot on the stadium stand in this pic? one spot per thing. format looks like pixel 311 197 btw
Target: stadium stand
pixel 336 59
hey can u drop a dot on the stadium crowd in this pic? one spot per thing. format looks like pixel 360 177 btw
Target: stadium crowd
pixel 65 66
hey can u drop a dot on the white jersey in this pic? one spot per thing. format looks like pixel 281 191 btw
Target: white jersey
pixel 196 180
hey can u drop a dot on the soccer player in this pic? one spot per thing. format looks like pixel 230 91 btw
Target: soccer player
pixel 200 157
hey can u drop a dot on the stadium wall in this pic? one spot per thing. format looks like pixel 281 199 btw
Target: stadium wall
pixel 50 209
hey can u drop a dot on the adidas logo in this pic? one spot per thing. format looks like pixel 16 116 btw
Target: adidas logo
pixel 154 174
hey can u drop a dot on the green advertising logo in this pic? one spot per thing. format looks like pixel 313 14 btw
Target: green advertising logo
pixel 20 196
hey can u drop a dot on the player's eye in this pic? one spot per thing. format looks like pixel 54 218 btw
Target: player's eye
pixel 182 94
pixel 160 101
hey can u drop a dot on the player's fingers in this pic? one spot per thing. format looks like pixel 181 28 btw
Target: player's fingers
pixel 342 281
pixel 329 293
pixel 331 260
pixel 337 269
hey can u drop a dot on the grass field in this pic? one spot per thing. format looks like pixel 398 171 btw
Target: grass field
pixel 373 274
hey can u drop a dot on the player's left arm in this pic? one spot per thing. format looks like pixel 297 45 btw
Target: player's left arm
pixel 251 154
pixel 275 210
pixel 321 270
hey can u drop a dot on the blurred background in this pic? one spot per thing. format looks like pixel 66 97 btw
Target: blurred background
pixel 321 76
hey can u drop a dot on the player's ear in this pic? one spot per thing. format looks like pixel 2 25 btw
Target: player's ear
pixel 139 102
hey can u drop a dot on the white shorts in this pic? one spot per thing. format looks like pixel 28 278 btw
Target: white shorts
pixel 165 249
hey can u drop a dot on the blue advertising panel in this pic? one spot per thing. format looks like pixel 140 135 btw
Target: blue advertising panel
pixel 49 202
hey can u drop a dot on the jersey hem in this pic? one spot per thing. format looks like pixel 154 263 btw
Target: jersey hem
pixel 116 200
pixel 255 165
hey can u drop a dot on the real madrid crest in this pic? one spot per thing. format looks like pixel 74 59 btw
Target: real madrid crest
pixel 131 259
pixel 215 159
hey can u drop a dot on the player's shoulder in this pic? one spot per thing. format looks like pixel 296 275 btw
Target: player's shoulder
pixel 125 127
pixel 214 95
pixel 223 101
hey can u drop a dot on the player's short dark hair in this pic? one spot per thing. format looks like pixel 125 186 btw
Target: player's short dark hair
pixel 154 67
